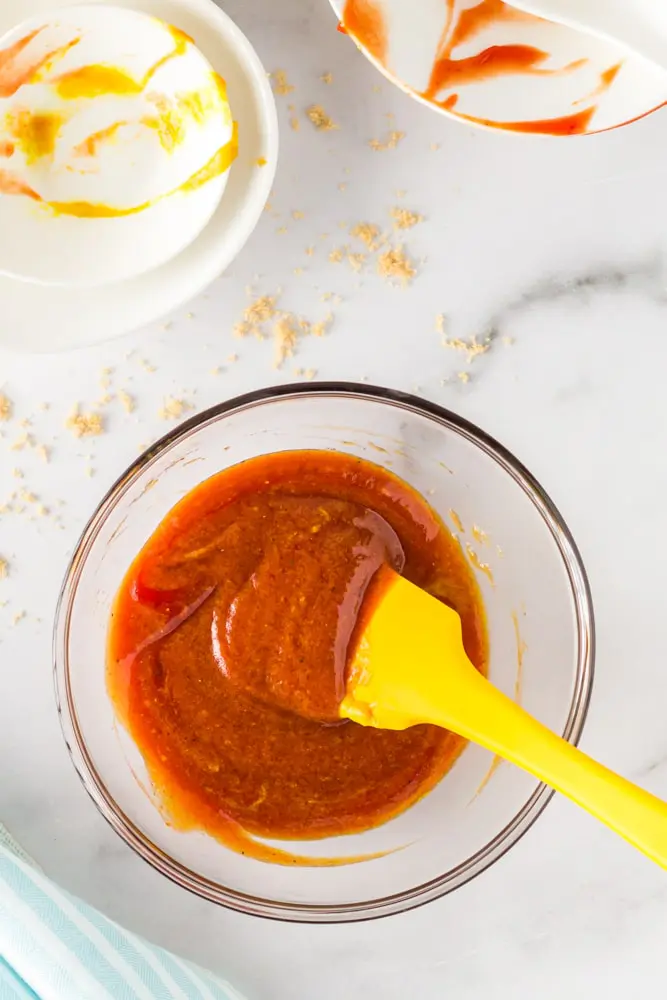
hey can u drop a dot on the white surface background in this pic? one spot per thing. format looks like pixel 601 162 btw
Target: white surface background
pixel 558 244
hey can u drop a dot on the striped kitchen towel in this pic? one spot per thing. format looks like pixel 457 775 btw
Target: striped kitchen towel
pixel 54 947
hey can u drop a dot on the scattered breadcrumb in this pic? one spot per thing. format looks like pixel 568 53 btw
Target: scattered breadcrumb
pixel 310 373
pixel 298 271
pixel 281 230
pixel 260 311
pixel 214 371
pixel 463 376
pixel 147 367
pixel 401 193
pixel 190 315
pixel 336 255
pixel 43 452
pixel 440 324
pixel 296 215
pixel 17 473
pixel 367 233
pixel 471 348
pixel 405 219
pixel 356 260
pixel 173 408
pixel 18 617
pixel 126 401
pixel 395 265
pixel 320 329
pixel 5 407
pixel 231 358
pixel 24 440
pixel 320 119
pixel 4 568
pixel 84 424
pixel 327 78
pixel 281 85
pixel 435 145
pixel 391 143
pixel 508 341
pixel 310 251
pixel 295 124
pixel 284 338
pixel 342 186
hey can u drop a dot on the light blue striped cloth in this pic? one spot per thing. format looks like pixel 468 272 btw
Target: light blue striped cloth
pixel 54 947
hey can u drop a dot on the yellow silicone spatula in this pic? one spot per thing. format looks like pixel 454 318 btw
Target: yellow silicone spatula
pixel 409 666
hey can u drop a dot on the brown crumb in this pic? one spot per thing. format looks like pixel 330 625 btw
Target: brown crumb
pixel 4 568
pixel 327 78
pixel 391 143
pixel 126 401
pixel 285 339
pixel 5 407
pixel 320 119
pixel 395 265
pixel 24 440
pixel 84 424
pixel 367 233
pixel 260 311
pixel 471 348
pixel 280 83
pixel 405 219
pixel 320 329
pixel 173 408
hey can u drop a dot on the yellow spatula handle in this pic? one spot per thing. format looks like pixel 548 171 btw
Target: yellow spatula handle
pixel 410 667
pixel 506 729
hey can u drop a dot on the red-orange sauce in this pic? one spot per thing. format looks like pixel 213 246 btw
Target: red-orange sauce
pixel 249 590
pixel 364 19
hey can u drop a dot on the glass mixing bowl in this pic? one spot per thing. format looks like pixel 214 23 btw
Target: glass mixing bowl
pixel 541 633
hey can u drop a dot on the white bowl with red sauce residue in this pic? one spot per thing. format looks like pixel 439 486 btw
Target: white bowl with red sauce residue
pixel 116 139
pixel 485 63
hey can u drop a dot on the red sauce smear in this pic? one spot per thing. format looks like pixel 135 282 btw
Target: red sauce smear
pixel 17 68
pixel 364 20
pixel 228 646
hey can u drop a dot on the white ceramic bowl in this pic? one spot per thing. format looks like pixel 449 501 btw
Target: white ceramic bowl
pixel 485 63
pixel 540 623
pixel 38 318
pixel 108 116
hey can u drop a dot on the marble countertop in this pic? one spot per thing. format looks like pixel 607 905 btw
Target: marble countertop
pixel 554 248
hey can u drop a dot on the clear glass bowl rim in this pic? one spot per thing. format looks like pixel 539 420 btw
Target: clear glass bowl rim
pixel 307 912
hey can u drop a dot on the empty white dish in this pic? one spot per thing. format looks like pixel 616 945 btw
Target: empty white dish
pixel 116 138
pixel 485 63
